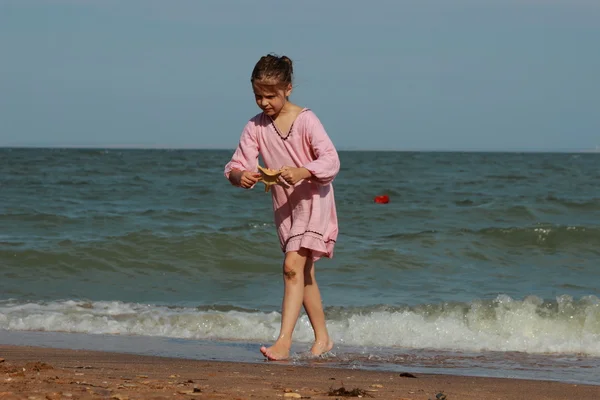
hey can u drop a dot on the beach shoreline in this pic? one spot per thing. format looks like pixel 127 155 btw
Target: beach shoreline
pixel 565 368
pixel 28 372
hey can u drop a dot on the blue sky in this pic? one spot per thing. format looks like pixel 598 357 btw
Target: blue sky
pixel 396 75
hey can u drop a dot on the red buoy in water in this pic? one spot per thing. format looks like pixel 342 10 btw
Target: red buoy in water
pixel 383 199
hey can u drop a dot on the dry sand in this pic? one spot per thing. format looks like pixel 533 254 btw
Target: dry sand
pixel 47 374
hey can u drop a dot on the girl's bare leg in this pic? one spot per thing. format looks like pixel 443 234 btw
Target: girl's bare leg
pixel 314 309
pixel 293 279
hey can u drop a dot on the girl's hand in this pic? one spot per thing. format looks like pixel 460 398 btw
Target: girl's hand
pixel 249 179
pixel 294 175
pixel 245 179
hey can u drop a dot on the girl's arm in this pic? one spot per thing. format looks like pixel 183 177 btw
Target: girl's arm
pixel 327 163
pixel 240 169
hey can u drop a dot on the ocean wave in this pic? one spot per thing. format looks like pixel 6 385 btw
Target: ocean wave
pixel 583 205
pixel 35 216
pixel 538 235
pixel 547 236
pixel 531 325
pixel 141 250
pixel 509 177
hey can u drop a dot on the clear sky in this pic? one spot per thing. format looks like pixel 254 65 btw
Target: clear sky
pixel 397 75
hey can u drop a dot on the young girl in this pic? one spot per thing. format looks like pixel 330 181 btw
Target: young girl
pixel 292 140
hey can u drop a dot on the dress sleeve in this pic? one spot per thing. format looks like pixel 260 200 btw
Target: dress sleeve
pixel 326 165
pixel 245 157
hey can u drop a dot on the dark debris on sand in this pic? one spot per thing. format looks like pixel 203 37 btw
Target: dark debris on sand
pixel 407 375
pixel 342 391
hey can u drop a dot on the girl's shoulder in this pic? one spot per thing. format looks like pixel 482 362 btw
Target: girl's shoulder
pixel 308 118
pixel 306 114
pixel 258 121
pixel 258 118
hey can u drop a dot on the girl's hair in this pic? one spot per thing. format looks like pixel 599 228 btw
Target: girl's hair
pixel 273 70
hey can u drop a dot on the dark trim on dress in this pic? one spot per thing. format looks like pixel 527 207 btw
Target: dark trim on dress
pixel 291 126
pixel 302 234
pixel 279 133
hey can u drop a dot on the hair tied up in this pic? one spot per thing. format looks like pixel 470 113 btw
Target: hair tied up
pixel 278 70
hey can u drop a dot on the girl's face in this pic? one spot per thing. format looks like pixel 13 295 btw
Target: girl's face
pixel 270 99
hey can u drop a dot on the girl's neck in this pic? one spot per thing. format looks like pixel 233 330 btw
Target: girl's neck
pixel 288 109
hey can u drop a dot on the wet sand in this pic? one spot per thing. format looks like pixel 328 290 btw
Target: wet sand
pixel 51 374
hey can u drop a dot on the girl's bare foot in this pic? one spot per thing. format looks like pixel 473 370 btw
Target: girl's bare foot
pixel 321 347
pixel 277 352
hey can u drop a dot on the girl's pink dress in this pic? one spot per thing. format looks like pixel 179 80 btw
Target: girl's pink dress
pixel 305 214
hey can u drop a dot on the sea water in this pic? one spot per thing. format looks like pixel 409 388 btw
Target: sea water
pixel 481 263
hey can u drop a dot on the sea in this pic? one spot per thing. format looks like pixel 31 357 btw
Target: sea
pixel 481 264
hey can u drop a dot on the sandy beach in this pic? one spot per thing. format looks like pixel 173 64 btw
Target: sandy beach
pixel 50 374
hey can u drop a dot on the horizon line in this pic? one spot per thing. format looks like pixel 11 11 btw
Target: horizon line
pixel 348 149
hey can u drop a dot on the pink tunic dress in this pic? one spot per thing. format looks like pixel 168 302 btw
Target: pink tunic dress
pixel 305 214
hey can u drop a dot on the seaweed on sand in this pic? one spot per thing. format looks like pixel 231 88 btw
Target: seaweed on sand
pixel 342 391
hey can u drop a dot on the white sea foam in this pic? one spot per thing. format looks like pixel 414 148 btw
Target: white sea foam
pixel 529 325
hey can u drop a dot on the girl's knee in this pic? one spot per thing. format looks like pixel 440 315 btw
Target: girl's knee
pixel 292 269
pixel 294 265
pixel 290 273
